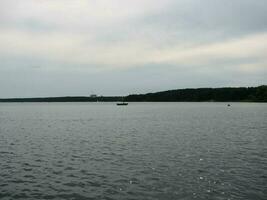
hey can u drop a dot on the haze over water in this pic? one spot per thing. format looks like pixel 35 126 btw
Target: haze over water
pixel 142 151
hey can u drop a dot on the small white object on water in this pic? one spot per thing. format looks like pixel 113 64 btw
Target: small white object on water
pixel 200 159
pixel 200 177
pixel 131 182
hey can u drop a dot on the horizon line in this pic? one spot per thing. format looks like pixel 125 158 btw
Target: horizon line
pixel 119 96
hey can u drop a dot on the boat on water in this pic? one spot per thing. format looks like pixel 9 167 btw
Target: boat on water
pixel 122 104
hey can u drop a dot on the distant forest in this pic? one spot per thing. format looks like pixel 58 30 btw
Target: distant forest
pixel 250 94
pixel 241 94
pixel 64 99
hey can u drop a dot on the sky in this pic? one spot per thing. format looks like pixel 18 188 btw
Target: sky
pixel 121 47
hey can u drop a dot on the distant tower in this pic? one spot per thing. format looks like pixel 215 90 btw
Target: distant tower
pixel 93 95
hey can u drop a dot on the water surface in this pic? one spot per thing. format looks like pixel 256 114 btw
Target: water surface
pixel 142 151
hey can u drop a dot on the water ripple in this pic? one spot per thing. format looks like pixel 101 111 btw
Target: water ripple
pixel 146 151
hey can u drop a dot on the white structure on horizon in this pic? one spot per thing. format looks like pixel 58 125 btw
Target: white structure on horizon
pixel 93 95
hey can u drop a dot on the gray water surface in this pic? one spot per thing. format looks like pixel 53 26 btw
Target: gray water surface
pixel 141 151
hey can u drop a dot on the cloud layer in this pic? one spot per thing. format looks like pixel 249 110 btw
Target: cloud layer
pixel 83 46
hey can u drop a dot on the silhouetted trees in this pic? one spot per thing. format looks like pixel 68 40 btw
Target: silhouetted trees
pixel 64 99
pixel 248 94
pixel 253 94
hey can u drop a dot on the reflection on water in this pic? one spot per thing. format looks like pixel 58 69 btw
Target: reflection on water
pixel 142 151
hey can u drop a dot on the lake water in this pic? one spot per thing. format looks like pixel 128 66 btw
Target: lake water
pixel 141 151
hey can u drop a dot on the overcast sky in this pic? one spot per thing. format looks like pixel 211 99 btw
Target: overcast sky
pixel 118 47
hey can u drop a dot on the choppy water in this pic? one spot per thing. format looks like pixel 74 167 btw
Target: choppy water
pixel 141 151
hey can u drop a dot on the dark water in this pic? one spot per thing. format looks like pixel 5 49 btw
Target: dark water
pixel 141 151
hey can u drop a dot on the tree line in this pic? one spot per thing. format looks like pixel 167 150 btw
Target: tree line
pixel 246 94
pixel 240 94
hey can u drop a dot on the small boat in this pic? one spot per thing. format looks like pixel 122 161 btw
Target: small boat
pixel 122 104
pixel 228 105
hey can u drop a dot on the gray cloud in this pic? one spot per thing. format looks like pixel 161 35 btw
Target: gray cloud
pixel 65 47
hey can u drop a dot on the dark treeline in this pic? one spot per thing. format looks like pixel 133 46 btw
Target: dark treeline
pixel 242 94
pixel 250 94
pixel 64 99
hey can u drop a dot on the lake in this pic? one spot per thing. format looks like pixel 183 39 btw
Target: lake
pixel 141 151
